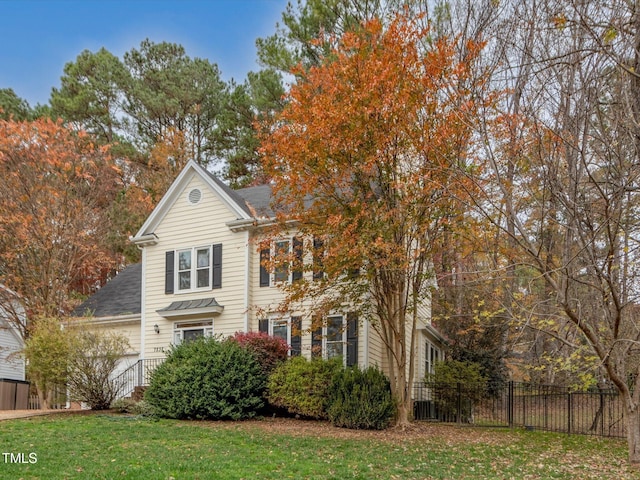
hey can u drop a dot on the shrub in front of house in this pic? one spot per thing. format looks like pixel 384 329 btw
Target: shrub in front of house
pixel 207 379
pixel 361 399
pixel 302 386
pixel 269 351
pixel 452 378
pixel 131 407
pixel 123 405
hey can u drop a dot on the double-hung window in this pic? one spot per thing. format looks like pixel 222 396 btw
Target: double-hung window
pixel 194 268
pixel 338 337
pixel 432 356
pixel 335 337
pixel 289 329
pixel 281 270
pixel 281 262
pixel 280 329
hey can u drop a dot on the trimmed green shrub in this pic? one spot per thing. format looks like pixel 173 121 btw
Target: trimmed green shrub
pixel 270 351
pixel 123 405
pixel 144 409
pixel 457 387
pixel 129 406
pixel 361 399
pixel 207 379
pixel 302 387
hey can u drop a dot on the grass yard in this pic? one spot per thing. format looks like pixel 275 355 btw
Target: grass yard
pixel 112 446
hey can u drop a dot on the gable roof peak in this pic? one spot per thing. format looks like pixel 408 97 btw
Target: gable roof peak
pixel 231 199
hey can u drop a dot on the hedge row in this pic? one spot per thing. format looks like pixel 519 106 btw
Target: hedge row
pixel 231 379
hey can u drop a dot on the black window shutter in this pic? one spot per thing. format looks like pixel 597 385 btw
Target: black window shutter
pixel 264 273
pixel 217 266
pixel 168 272
pixel 263 325
pixel 316 338
pixel 296 336
pixel 352 339
pixel 297 262
pixel 318 263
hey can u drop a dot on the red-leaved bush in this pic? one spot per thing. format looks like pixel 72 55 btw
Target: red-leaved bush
pixel 269 351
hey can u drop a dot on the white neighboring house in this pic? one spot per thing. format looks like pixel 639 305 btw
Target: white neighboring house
pixel 12 365
pixel 201 274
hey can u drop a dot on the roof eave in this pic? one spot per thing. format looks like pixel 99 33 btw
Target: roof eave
pixel 144 240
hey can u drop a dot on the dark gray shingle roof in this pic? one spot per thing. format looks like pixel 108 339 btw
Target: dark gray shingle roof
pixel 119 296
pixel 256 201
pixel 233 194
pixel 259 199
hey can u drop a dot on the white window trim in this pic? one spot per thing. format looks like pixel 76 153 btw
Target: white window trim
pixel 325 351
pixel 274 248
pixel 429 362
pixel 290 270
pixel 194 269
pixel 287 320
pixel 180 327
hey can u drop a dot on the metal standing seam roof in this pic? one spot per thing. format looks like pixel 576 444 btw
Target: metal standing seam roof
pixel 183 305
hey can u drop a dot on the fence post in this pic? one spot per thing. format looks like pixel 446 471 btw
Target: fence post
pixel 459 416
pixel 602 412
pixel 510 401
pixel 527 394
pixel 569 412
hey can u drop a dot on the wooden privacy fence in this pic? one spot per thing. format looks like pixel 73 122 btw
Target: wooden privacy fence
pixel 512 404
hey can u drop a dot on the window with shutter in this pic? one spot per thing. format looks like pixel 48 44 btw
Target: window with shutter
pixel 265 255
pixel 298 253
pixel 169 268
pixel 318 259
pixel 193 269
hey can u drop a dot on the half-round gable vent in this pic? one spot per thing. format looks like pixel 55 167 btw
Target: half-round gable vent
pixel 195 195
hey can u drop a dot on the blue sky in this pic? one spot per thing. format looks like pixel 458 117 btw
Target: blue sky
pixel 38 37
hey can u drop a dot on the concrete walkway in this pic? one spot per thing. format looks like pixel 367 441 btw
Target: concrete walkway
pixel 11 414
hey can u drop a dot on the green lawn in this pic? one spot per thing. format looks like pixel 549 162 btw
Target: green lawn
pixel 112 446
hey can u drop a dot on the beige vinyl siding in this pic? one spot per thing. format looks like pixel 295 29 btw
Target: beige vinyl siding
pixel 128 328
pixel 262 298
pixel 377 355
pixel 185 226
pixel 265 300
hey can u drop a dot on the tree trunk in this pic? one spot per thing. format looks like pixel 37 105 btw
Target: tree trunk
pixel 404 398
pixel 632 418
pixel 43 397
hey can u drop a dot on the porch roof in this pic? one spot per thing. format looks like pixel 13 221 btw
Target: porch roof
pixel 187 308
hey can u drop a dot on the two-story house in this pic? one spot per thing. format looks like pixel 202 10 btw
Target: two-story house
pixel 202 274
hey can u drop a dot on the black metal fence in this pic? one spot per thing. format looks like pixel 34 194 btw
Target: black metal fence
pixel 513 404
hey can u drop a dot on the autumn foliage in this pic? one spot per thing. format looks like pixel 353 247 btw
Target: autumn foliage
pixel 56 187
pixel 268 350
pixel 369 155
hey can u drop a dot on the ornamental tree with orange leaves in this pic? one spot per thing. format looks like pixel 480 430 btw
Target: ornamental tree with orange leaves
pixel 365 161
pixel 56 186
